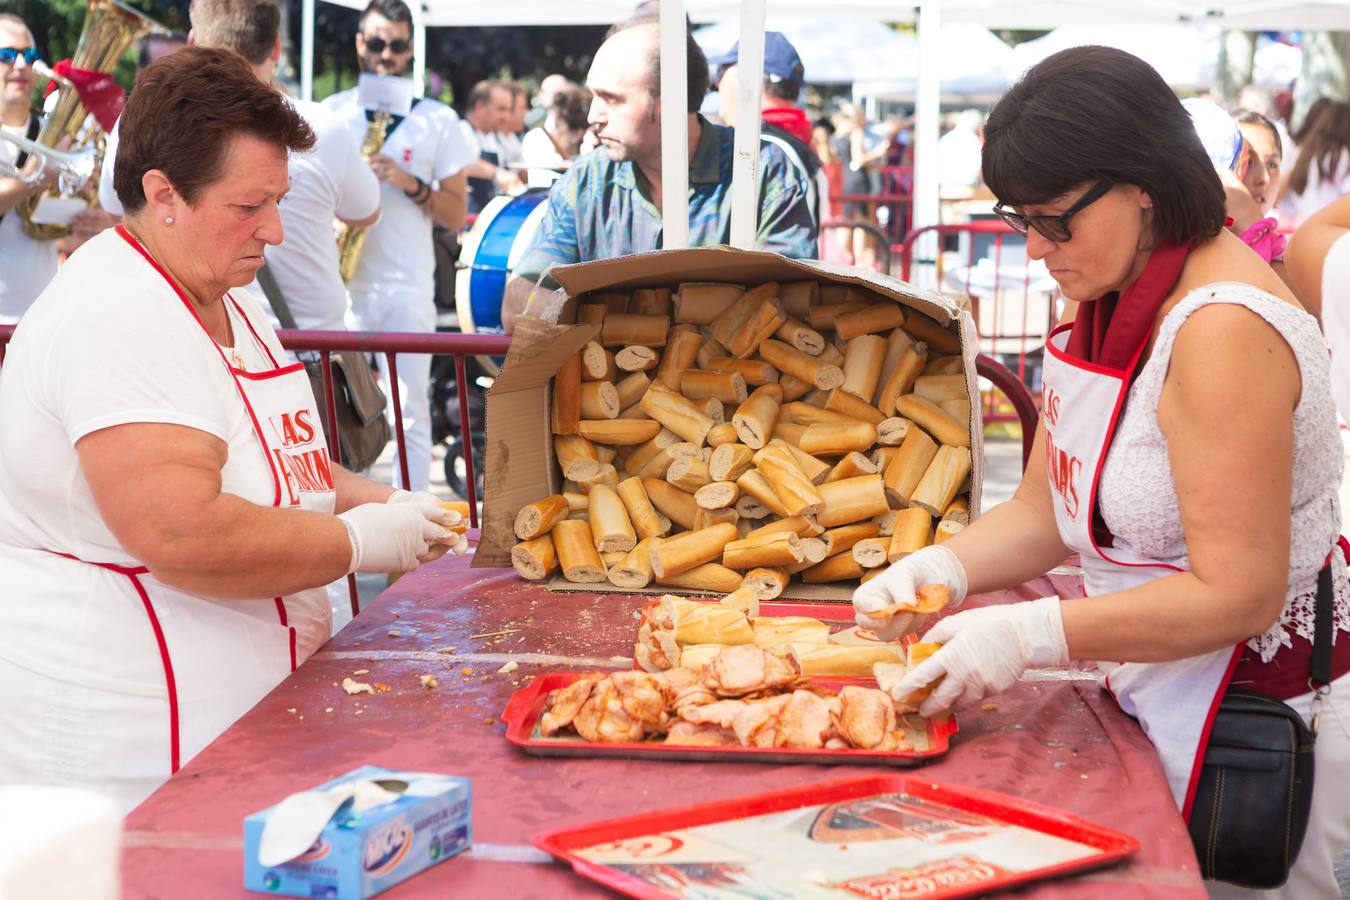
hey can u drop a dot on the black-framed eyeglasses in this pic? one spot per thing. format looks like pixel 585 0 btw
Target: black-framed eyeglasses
pixel 377 45
pixel 1053 228
pixel 9 54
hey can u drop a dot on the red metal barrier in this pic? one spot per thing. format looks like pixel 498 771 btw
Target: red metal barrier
pixel 1002 309
pixel 438 344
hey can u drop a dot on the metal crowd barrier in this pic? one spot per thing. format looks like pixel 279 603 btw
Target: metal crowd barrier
pixel 1012 316
pixel 325 343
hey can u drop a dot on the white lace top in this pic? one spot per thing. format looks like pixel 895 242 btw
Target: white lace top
pixel 1138 498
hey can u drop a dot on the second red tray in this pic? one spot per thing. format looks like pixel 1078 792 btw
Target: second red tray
pixel 527 705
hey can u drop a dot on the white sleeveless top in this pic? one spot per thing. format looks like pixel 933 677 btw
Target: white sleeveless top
pixel 1138 498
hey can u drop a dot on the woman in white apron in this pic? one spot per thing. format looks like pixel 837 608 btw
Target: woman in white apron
pixel 166 496
pixel 1187 449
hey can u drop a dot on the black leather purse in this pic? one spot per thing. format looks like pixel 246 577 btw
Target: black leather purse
pixel 1256 788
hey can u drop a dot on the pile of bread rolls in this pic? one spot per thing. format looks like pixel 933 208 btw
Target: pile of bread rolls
pixel 716 436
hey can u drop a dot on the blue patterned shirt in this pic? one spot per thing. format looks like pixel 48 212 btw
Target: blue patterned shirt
pixel 599 210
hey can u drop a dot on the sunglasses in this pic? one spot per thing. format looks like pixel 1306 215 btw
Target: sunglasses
pixel 9 54
pixel 377 45
pixel 1053 228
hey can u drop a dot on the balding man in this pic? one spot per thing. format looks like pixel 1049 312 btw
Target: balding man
pixel 609 202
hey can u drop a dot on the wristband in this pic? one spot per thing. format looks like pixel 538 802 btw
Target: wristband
pixel 417 191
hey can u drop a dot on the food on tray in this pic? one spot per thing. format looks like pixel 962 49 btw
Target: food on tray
pixel 742 697
pixel 694 422
pixel 888 676
pixel 688 633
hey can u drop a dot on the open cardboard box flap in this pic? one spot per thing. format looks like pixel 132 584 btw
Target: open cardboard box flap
pixel 520 464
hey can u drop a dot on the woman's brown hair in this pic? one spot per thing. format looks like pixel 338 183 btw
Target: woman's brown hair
pixel 1092 113
pixel 1325 143
pixel 182 114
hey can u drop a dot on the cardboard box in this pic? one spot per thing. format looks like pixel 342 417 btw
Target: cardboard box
pixel 359 855
pixel 520 464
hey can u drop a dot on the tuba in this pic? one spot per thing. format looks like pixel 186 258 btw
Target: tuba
pixel 109 31
pixel 351 240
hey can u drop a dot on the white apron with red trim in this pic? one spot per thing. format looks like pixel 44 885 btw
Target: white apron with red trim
pixel 220 657
pixel 1174 701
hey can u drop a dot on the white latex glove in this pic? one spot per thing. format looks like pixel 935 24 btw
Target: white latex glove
pixel 397 537
pixel 931 565
pixel 401 496
pixel 985 650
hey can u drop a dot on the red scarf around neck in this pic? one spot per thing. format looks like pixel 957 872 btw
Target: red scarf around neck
pixel 1110 330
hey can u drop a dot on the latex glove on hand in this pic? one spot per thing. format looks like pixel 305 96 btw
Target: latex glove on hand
pixel 397 537
pixel 898 584
pixel 402 496
pixel 985 650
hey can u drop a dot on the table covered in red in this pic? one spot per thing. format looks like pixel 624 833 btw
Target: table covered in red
pixel 1056 740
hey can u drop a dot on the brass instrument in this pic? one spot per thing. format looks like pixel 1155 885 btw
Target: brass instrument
pixel 350 240
pixel 109 31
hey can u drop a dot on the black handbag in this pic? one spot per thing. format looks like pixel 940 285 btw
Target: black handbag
pixel 362 427
pixel 1252 803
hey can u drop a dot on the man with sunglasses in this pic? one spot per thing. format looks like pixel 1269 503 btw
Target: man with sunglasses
pixel 26 265
pixel 423 183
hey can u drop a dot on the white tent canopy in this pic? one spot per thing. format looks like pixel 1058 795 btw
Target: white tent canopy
pixel 1185 56
pixel 832 52
pixel 972 63
pixel 1252 15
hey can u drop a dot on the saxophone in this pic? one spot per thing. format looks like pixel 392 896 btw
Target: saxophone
pixel 351 240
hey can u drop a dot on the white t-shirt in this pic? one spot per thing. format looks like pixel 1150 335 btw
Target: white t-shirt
pixel 330 180
pixel 26 265
pixel 107 343
pixel 541 155
pixel 1295 209
pixel 1336 320
pixel 430 144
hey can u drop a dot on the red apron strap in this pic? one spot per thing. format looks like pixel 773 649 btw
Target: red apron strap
pixel 133 574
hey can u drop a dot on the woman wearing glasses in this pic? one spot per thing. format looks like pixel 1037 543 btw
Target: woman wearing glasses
pixel 26 265
pixel 1187 452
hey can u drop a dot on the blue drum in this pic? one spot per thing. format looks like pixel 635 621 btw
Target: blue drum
pixel 492 247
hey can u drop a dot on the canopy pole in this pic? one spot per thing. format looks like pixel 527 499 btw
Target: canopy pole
pixel 420 53
pixel 674 128
pixel 749 95
pixel 307 50
pixel 927 108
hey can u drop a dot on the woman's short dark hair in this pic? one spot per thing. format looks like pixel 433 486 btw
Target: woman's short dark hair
pixel 1327 141
pixel 1090 113
pixel 571 106
pixel 184 111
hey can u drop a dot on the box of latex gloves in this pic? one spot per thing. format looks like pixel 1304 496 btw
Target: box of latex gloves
pixel 358 834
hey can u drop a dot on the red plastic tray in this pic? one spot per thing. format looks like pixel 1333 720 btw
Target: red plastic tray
pixel 527 705
pixel 947 878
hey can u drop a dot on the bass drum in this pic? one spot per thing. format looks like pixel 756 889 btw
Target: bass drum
pixel 490 249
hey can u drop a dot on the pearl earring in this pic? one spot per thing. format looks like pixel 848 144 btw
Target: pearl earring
pixel 168 220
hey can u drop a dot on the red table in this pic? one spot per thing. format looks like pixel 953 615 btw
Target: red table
pixel 1060 742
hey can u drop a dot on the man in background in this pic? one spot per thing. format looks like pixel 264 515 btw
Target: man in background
pixel 421 170
pixel 488 114
pixel 26 264
pixel 329 182
pixel 784 122
pixel 609 204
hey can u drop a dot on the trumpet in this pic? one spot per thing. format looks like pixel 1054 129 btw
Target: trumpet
pixel 74 168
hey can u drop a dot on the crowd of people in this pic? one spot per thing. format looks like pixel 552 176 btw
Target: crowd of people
pixel 169 513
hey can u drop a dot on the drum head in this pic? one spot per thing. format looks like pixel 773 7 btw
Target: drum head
pixel 499 237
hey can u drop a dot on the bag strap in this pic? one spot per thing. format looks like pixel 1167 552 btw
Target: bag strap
pixel 268 282
pixel 1319 675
